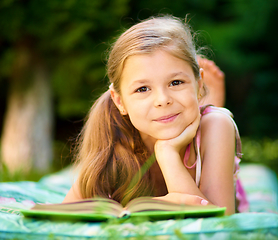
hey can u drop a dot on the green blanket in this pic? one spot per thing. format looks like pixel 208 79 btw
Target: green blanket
pixel 260 223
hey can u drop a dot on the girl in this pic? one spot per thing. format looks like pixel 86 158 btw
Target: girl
pixel 152 107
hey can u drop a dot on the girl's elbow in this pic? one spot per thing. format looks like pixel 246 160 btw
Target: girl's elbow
pixel 229 212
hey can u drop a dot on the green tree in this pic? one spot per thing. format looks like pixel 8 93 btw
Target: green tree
pixel 50 50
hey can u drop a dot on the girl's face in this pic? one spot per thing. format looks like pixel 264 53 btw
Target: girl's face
pixel 159 93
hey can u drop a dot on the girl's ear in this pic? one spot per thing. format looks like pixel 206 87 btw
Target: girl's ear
pixel 118 101
pixel 201 84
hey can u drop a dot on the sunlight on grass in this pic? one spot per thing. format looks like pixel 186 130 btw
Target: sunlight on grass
pixel 61 159
pixel 262 151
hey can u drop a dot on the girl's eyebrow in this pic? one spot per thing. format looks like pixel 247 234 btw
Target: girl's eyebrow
pixel 170 76
pixel 139 82
pixel 173 75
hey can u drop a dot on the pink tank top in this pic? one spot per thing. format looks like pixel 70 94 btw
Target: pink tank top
pixel 242 203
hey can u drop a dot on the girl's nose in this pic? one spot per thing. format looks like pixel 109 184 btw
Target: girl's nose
pixel 162 99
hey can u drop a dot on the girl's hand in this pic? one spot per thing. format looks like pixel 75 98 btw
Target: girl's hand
pixel 180 141
pixel 183 198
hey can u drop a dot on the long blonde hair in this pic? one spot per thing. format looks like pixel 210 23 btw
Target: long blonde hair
pixel 111 150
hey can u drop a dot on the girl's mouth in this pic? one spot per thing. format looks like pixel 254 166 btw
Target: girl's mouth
pixel 166 119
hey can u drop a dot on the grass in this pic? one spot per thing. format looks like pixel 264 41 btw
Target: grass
pixel 61 159
pixel 262 151
pixel 32 175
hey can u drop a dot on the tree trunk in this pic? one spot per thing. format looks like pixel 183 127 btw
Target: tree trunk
pixel 27 131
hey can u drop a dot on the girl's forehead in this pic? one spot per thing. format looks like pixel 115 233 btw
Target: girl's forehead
pixel 151 58
pixel 159 64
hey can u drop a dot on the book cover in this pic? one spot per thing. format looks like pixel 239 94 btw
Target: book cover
pixel 102 209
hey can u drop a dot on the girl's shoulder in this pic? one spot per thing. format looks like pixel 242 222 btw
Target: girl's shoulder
pixel 218 135
pixel 216 116
pixel 217 129
pixel 205 109
pixel 217 124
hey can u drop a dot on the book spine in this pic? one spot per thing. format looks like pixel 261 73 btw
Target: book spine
pixel 124 214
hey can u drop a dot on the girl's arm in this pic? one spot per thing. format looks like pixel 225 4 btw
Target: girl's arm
pixel 176 176
pixel 217 150
pixel 73 195
pixel 218 153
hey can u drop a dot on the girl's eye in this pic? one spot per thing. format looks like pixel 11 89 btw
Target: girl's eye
pixel 176 82
pixel 142 89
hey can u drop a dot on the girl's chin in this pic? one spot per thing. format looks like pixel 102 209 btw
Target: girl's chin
pixel 168 136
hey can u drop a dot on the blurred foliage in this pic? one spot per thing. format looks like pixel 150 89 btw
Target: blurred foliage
pixel 68 35
pixel 243 42
pixel 72 36
pixel 262 151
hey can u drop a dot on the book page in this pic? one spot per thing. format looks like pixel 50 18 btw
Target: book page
pixel 150 204
pixel 92 205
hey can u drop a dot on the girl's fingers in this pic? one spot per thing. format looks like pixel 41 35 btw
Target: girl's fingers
pixel 191 130
pixel 192 200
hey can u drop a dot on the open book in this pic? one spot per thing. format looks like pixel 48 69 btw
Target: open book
pixel 101 209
